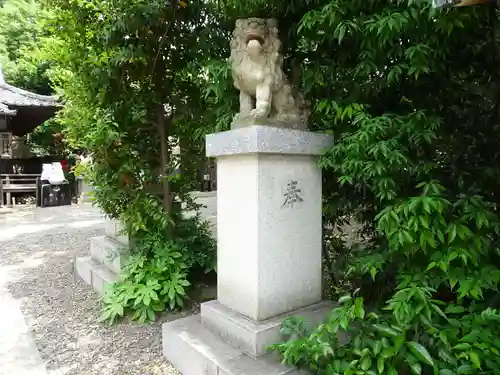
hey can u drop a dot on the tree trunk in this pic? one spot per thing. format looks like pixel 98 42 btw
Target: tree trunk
pixel 162 125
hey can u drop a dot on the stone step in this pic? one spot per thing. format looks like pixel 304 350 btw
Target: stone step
pixel 253 337
pixel 194 350
pixel 113 229
pixel 208 200
pixel 94 274
pixel 212 221
pixel 108 252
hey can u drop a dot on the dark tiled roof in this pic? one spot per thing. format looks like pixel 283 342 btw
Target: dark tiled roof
pixel 13 97
pixel 4 110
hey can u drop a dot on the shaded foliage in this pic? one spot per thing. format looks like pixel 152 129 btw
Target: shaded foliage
pixel 411 95
pixel 129 72
pixel 21 41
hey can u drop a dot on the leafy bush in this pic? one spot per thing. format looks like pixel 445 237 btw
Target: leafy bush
pixel 155 277
pixel 128 100
pixel 409 93
pixel 149 285
pixel 439 319
pixel 194 236
pixel 464 342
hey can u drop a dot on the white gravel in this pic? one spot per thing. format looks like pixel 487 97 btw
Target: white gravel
pixel 37 250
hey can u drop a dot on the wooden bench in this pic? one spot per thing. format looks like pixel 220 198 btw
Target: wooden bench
pixel 16 183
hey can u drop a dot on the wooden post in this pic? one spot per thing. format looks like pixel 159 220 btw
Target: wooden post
pixel 8 194
pixel 1 191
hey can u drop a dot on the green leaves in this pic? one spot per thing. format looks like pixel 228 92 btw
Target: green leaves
pixel 415 172
pixel 359 311
pixel 474 358
pixel 129 73
pixel 386 330
pixel 21 43
pixel 149 284
pixel 112 312
pixel 410 96
pixel 421 353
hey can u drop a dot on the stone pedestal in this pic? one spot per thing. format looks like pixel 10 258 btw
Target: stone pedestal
pixel 84 191
pixel 107 254
pixel 208 210
pixel 269 232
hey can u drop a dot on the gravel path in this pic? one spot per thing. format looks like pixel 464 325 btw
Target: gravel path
pixel 37 250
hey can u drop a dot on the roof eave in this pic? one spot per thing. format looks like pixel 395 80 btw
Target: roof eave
pixel 37 99
pixel 6 111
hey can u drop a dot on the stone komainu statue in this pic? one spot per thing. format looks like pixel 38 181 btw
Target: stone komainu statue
pixel 266 96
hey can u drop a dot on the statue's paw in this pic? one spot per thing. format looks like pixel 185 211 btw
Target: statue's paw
pixel 287 117
pixel 258 114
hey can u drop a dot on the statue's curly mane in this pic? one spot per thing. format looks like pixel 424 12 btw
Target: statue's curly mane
pixel 265 92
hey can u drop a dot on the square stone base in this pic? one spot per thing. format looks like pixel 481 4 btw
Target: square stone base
pixel 94 274
pixel 103 266
pixel 109 252
pixel 194 350
pixel 253 337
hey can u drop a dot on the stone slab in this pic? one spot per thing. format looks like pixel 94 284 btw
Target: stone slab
pixel 94 274
pixel 268 140
pixel 208 211
pixel 445 3
pixel 86 191
pixel 206 198
pixel 108 252
pixel 253 337
pixel 83 269
pixel 18 351
pixel 113 229
pixel 194 350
